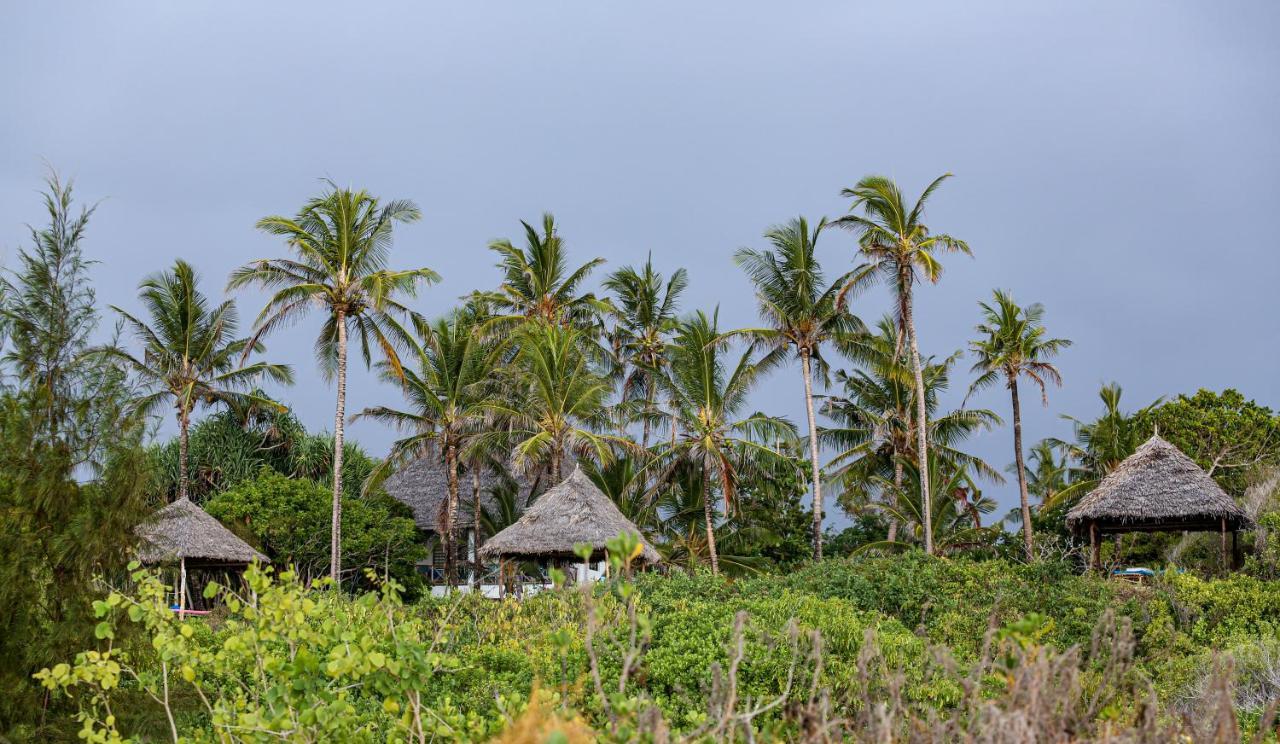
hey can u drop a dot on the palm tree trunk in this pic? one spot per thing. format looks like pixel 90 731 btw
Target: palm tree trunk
pixel 707 514
pixel 450 509
pixel 184 430
pixel 335 534
pixel 813 454
pixel 475 519
pixel 1022 470
pixel 898 476
pixel 556 455
pixel 648 410
pixel 922 417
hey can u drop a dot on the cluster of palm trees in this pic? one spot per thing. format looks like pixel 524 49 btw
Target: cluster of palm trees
pixel 540 371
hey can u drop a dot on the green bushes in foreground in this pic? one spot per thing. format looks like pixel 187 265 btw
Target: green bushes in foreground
pixel 811 655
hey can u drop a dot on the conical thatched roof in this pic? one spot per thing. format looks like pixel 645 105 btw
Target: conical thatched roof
pixel 184 530
pixel 571 513
pixel 1157 488
pixel 423 485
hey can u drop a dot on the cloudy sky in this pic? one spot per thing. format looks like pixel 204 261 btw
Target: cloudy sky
pixel 1116 161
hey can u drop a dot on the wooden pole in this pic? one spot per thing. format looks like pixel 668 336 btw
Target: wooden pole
pixel 1095 561
pixel 1235 550
pixel 182 589
pixel 1226 564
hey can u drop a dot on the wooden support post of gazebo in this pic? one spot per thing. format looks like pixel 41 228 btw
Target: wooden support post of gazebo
pixel 1095 547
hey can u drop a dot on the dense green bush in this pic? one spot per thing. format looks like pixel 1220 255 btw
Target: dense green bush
pixel 289 519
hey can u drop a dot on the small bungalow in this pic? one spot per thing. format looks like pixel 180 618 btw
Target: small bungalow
pixel 423 486
pixel 568 514
pixel 1157 489
pixel 182 533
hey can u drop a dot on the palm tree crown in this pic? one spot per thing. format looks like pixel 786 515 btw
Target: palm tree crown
pixel 537 282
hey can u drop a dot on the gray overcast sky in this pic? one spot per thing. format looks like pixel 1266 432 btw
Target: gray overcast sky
pixel 1115 161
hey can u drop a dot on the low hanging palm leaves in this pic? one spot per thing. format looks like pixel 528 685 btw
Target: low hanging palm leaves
pixel 682 507
pixel 873 433
pixel 707 398
pixel 1013 344
pixel 623 481
pixel 450 398
pixel 645 315
pixel 341 242
pixel 191 355
pixel 956 520
pixel 899 249
pixel 802 313
pixel 537 282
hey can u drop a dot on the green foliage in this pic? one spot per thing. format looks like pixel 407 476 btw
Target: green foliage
pixel 289 519
pixel 71 467
pixel 230 447
pixel 1225 433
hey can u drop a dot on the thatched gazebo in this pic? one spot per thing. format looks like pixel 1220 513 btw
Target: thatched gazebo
pixel 1157 489
pixel 568 514
pixel 184 534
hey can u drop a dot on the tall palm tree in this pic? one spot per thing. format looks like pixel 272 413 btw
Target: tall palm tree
pixel 707 397
pixel 873 433
pixel 537 282
pixel 449 402
pixel 645 313
pixel 341 243
pixel 191 355
pixel 900 249
pixel 802 314
pixel 556 401
pixel 1014 343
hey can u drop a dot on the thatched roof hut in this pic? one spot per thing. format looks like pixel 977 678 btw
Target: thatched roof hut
pixel 1157 488
pixel 184 532
pixel 568 514
pixel 423 486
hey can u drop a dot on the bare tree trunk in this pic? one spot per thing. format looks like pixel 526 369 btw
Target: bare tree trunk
pixel 813 454
pixel 1027 538
pixel 447 529
pixel 184 430
pixel 706 513
pixel 556 455
pixel 335 535
pixel 922 419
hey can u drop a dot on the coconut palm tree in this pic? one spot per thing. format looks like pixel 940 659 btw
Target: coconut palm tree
pixel 707 398
pixel 1014 343
pixel 537 282
pixel 556 402
pixel 341 243
pixel 873 434
pixel 191 355
pixel 899 248
pixel 645 314
pixel 449 400
pixel 682 507
pixel 802 313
